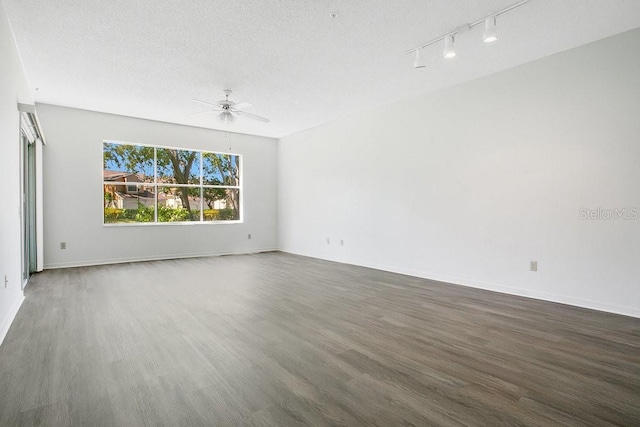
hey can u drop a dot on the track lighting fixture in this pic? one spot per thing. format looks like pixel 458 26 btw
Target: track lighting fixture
pixel 449 51
pixel 418 63
pixel 488 36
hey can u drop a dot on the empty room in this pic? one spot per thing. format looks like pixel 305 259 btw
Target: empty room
pixel 325 212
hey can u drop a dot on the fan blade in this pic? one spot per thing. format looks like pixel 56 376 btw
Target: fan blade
pixel 242 105
pixel 252 116
pixel 204 102
pixel 202 112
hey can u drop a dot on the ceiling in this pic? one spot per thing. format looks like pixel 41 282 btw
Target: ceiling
pixel 297 65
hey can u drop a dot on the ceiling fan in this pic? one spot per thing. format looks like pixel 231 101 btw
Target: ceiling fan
pixel 228 109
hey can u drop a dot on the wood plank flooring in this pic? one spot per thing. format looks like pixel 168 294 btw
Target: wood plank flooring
pixel 278 339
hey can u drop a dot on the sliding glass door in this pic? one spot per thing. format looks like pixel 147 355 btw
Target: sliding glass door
pixel 28 193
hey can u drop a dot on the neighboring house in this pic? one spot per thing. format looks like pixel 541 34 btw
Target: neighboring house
pixel 220 204
pixel 125 192
pixel 124 182
pixel 173 203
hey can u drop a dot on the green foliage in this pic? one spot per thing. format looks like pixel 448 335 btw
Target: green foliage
pixel 220 215
pixel 175 165
pixel 142 214
pixel 113 215
pixel 166 214
pixel 129 158
pixel 217 165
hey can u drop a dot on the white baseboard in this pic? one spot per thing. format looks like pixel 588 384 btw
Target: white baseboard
pixel 86 263
pixel 8 319
pixel 561 299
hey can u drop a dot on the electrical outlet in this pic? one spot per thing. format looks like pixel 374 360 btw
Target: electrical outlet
pixel 328 241
pixel 249 236
pixel 6 281
pixel 63 245
pixel 533 266
pixel 341 242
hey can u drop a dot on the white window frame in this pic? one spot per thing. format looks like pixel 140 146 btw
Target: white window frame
pixel 155 186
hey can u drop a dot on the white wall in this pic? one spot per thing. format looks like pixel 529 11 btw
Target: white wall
pixel 73 192
pixel 13 89
pixel 469 184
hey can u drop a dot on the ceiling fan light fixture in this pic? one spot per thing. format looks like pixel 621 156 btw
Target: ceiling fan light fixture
pixel 490 34
pixel 449 51
pixel 226 117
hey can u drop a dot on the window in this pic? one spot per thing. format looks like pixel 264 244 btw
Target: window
pixel 146 184
pixel 132 188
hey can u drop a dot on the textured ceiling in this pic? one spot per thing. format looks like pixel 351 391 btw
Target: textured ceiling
pixel 289 58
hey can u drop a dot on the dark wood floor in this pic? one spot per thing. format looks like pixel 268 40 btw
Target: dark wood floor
pixel 277 339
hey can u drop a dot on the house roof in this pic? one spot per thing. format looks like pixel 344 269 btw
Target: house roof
pixel 109 175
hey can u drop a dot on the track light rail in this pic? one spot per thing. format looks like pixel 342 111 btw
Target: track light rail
pixel 466 27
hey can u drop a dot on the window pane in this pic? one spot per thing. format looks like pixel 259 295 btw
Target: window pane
pixel 183 185
pixel 221 204
pixel 127 163
pixel 178 166
pixel 221 169
pixel 178 204
pixel 128 203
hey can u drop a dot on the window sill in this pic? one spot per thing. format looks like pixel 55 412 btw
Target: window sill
pixel 162 224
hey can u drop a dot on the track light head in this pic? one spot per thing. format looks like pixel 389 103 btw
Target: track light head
pixel 418 63
pixel 449 51
pixel 490 35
